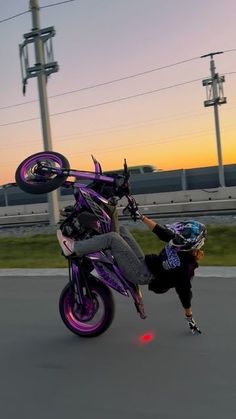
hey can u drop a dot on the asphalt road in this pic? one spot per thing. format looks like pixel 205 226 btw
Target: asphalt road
pixel 47 372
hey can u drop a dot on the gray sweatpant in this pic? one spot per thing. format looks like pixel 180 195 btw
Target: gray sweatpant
pixel 126 251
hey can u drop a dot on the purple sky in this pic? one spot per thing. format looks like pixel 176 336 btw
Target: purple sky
pixel 98 41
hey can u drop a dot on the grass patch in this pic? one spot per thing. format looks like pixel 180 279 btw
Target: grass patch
pixel 220 246
pixel 31 252
pixel 44 251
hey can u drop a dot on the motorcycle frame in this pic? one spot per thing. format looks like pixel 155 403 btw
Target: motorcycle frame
pixel 86 197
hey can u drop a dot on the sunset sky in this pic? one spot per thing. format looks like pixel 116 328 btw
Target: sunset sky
pixel 103 40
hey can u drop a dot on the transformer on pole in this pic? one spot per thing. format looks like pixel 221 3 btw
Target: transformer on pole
pixel 41 39
pixel 215 97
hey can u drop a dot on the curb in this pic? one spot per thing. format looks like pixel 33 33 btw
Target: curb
pixel 203 271
pixel 34 272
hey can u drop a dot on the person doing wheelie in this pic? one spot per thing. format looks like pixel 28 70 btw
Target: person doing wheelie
pixel 173 267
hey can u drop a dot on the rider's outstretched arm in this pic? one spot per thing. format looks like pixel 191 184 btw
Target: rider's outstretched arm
pixel 185 296
pixel 148 222
pixel 162 233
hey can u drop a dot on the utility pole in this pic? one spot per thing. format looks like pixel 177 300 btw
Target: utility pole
pixel 215 97
pixel 44 66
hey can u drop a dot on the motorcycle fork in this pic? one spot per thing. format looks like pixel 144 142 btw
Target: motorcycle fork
pixel 78 281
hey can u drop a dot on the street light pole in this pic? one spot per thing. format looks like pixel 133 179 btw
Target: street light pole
pixel 41 76
pixel 53 208
pixel 215 97
pixel 44 66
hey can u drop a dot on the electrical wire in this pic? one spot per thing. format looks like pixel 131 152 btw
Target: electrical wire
pixel 81 89
pixel 27 11
pixel 127 77
pixel 229 50
pixel 98 104
pixel 18 104
pixel 13 17
pixel 105 103
pixel 126 97
pixel 56 4
pixel 93 86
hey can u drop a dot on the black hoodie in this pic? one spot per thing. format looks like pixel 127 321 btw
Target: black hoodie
pixel 171 269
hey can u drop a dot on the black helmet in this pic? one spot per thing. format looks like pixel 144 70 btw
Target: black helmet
pixel 189 235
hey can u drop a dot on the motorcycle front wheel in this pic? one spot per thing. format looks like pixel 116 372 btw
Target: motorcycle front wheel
pixel 96 315
pixel 31 178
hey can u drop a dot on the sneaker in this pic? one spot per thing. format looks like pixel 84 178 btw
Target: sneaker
pixel 66 244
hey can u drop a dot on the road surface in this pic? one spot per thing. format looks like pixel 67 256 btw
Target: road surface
pixel 49 373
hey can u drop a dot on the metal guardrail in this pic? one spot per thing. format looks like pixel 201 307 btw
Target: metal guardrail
pixel 184 209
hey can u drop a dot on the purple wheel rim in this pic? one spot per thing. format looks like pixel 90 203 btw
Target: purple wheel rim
pixel 75 323
pixel 29 163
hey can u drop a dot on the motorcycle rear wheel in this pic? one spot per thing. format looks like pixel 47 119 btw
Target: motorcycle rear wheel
pixel 95 319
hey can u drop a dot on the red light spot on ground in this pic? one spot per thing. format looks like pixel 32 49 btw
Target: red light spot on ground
pixel 147 337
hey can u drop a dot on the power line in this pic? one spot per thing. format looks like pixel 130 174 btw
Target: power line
pixel 76 90
pixel 105 103
pixel 81 89
pixel 27 11
pixel 13 17
pixel 127 77
pixel 56 4
pixel 230 50
pixel 97 104
pixel 125 97
pixel 19 122
pixel 18 104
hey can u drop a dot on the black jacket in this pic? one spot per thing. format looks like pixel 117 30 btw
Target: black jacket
pixel 171 269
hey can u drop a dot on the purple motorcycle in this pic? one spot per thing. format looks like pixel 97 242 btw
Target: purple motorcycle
pixel 86 303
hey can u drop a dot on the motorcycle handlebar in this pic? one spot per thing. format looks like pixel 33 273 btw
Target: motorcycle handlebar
pixel 131 208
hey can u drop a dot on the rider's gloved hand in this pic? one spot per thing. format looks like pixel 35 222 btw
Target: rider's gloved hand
pixel 135 214
pixel 192 325
pixel 132 209
pixel 138 215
